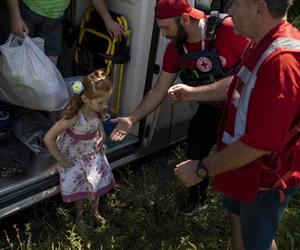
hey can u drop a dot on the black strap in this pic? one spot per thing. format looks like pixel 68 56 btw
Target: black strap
pixel 193 76
pixel 213 22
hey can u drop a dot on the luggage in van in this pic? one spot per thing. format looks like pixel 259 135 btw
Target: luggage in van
pixel 96 49
pixel 28 78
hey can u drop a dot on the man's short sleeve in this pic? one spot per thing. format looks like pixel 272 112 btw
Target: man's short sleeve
pixel 171 59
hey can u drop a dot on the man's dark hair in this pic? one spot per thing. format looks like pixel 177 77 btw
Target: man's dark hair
pixel 279 8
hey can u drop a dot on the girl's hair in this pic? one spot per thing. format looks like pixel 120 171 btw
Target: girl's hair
pixel 94 85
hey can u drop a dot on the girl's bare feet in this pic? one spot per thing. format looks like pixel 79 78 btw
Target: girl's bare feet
pixel 100 220
pixel 80 218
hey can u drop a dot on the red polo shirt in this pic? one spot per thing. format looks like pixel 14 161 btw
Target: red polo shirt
pixel 273 107
pixel 229 47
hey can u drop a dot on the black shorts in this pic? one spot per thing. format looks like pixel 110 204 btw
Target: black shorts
pixel 50 29
pixel 39 26
pixel 202 132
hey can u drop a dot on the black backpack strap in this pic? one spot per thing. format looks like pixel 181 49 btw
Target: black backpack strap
pixel 213 21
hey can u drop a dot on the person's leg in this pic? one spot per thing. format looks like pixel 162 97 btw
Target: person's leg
pixel 79 211
pixel 235 232
pixel 47 28
pixel 233 206
pixel 260 220
pixel 201 137
pixel 274 245
pixel 97 216
pixel 51 32
pixel 198 192
pixel 196 198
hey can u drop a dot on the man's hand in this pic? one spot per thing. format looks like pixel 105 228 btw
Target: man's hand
pixel 114 29
pixel 18 27
pixel 124 124
pixel 186 173
pixel 181 93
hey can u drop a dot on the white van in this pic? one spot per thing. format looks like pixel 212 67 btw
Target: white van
pixel 165 126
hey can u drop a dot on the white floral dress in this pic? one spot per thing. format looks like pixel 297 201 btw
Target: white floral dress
pixel 91 175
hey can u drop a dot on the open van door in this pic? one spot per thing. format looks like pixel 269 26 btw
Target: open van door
pixel 165 126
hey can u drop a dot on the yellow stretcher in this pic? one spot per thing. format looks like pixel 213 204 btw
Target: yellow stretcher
pixel 96 49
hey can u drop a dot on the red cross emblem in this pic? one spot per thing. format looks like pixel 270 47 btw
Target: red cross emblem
pixel 204 64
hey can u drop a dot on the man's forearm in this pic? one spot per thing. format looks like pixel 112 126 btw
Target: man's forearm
pixel 212 92
pixel 150 102
pixel 232 157
pixel 101 8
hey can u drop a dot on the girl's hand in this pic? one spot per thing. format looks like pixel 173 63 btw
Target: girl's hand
pixel 101 145
pixel 67 163
pixel 103 149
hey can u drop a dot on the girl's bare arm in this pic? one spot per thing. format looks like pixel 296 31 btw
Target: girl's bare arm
pixel 54 132
pixel 101 141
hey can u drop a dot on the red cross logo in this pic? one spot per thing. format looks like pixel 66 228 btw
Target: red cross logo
pixel 204 64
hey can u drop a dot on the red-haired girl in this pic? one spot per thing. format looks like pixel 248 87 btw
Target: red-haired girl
pixel 77 143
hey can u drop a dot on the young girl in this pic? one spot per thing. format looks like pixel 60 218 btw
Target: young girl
pixel 77 143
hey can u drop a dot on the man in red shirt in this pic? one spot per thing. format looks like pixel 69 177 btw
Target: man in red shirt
pixel 189 52
pixel 258 163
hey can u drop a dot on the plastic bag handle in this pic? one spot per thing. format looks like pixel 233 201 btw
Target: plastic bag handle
pixel 12 37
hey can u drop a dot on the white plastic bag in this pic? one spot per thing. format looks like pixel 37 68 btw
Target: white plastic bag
pixel 28 78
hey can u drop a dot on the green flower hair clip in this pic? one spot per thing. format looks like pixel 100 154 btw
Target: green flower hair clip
pixel 77 87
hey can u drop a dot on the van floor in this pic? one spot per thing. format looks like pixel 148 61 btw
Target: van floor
pixel 41 165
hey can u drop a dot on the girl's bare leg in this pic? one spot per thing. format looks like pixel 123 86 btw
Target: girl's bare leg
pixel 99 219
pixel 79 207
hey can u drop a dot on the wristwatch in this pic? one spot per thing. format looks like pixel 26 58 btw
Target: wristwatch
pixel 201 170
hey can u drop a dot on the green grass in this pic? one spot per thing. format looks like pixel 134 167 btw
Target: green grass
pixel 143 211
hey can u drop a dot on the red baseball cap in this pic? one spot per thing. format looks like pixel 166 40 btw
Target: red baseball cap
pixel 173 8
